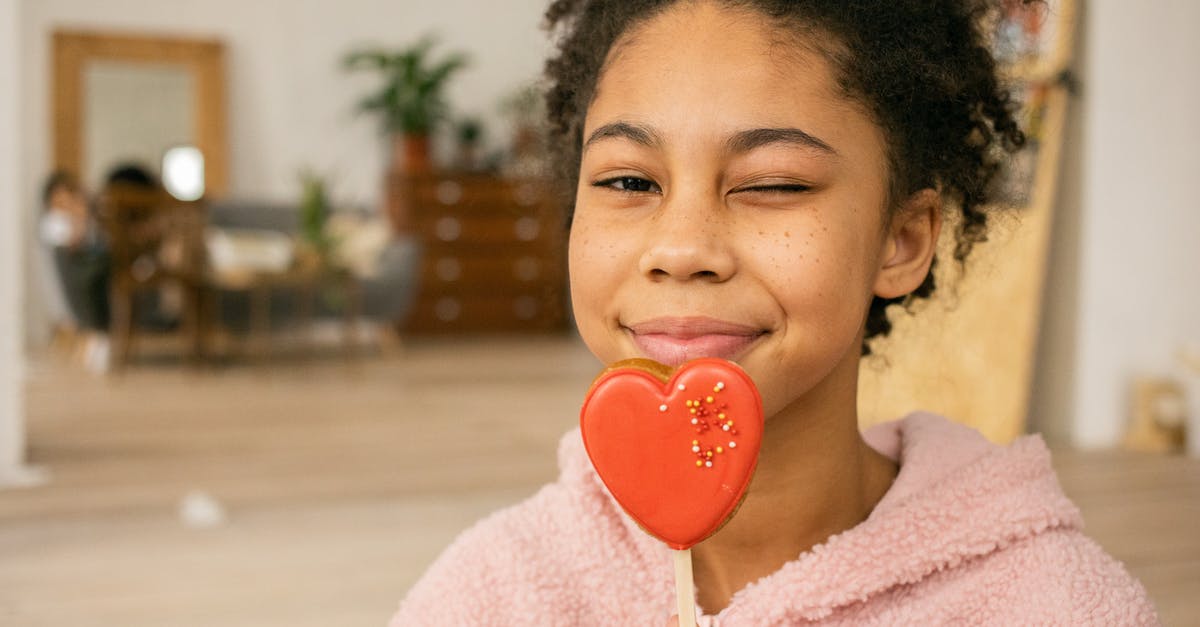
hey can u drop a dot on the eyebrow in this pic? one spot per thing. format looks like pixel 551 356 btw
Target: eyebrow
pixel 745 141
pixel 740 143
pixel 634 132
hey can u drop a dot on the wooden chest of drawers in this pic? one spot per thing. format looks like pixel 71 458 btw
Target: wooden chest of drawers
pixel 494 253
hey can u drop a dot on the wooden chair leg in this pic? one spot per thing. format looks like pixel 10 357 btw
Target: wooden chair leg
pixel 350 312
pixel 121 326
pixel 194 326
pixel 303 335
pixel 260 321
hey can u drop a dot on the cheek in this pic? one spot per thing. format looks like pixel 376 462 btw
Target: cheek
pixel 578 264
pixel 590 265
pixel 584 255
pixel 821 276
pixel 599 250
pixel 814 258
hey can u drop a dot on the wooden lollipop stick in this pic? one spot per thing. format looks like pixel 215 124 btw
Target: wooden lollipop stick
pixel 685 590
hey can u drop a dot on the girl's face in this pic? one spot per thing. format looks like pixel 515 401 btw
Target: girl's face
pixel 731 203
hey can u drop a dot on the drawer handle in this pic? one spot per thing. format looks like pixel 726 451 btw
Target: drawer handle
pixel 525 307
pixel 447 309
pixel 448 269
pixel 449 192
pixel 527 269
pixel 526 195
pixel 527 229
pixel 448 229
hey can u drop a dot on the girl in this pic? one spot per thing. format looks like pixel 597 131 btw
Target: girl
pixel 758 180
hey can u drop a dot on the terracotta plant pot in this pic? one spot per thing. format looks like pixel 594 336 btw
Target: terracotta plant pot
pixel 410 154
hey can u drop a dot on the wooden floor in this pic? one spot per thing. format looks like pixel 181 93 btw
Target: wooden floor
pixel 341 482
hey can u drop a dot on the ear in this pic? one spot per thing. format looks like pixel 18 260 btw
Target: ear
pixel 909 245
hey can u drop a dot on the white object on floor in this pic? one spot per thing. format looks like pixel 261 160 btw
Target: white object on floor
pixel 24 477
pixel 200 510
pixel 97 354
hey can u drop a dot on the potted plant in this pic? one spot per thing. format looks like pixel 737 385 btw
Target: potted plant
pixel 525 107
pixel 469 132
pixel 410 101
pixel 314 213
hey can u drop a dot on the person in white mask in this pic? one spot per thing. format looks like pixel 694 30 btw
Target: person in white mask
pixel 82 262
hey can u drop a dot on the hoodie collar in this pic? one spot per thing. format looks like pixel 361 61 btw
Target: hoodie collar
pixel 957 497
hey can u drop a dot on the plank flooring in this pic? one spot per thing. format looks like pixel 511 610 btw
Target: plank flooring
pixel 341 482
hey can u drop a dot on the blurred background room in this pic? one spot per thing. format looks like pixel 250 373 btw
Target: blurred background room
pixel 285 303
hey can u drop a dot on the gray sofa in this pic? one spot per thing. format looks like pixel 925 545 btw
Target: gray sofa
pixel 386 297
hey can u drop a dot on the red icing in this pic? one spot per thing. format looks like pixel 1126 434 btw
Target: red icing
pixel 645 455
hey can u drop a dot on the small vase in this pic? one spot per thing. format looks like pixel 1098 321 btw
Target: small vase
pixel 410 154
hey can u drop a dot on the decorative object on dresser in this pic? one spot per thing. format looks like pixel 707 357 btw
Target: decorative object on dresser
pixel 409 102
pixel 495 256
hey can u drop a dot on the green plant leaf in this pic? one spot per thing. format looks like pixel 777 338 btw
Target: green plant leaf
pixel 411 98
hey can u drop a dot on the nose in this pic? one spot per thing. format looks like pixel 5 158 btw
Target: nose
pixel 688 239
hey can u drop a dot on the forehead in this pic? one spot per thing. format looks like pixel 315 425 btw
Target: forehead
pixel 726 69
pixel 708 26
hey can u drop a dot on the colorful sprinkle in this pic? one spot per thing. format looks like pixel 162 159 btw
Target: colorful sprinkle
pixel 708 399
pixel 695 449
pixel 708 464
pixel 725 427
pixel 694 421
pixel 699 463
pixel 681 387
pixel 719 386
pixel 662 407
pixel 720 450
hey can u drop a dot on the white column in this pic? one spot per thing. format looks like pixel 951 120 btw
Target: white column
pixel 12 246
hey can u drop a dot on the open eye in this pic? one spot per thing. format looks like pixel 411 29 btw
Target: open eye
pixel 632 184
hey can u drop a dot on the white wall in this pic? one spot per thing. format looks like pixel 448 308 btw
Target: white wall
pixel 1133 240
pixel 12 406
pixel 1122 291
pixel 290 105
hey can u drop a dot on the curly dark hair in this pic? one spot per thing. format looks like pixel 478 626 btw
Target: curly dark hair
pixel 922 68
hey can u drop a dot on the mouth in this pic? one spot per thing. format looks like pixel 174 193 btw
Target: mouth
pixel 673 341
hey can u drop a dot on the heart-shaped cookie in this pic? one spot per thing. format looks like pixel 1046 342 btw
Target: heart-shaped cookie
pixel 676 449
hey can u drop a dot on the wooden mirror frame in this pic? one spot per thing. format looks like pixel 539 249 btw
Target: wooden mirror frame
pixel 203 58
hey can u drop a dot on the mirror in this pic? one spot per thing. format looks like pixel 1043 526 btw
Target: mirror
pixel 134 113
pixel 121 98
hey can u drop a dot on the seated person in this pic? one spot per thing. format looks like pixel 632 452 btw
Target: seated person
pixel 81 260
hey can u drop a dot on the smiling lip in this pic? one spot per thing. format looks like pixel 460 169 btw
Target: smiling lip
pixel 672 341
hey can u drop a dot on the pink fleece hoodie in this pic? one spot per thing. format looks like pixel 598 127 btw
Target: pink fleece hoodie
pixel 969 534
